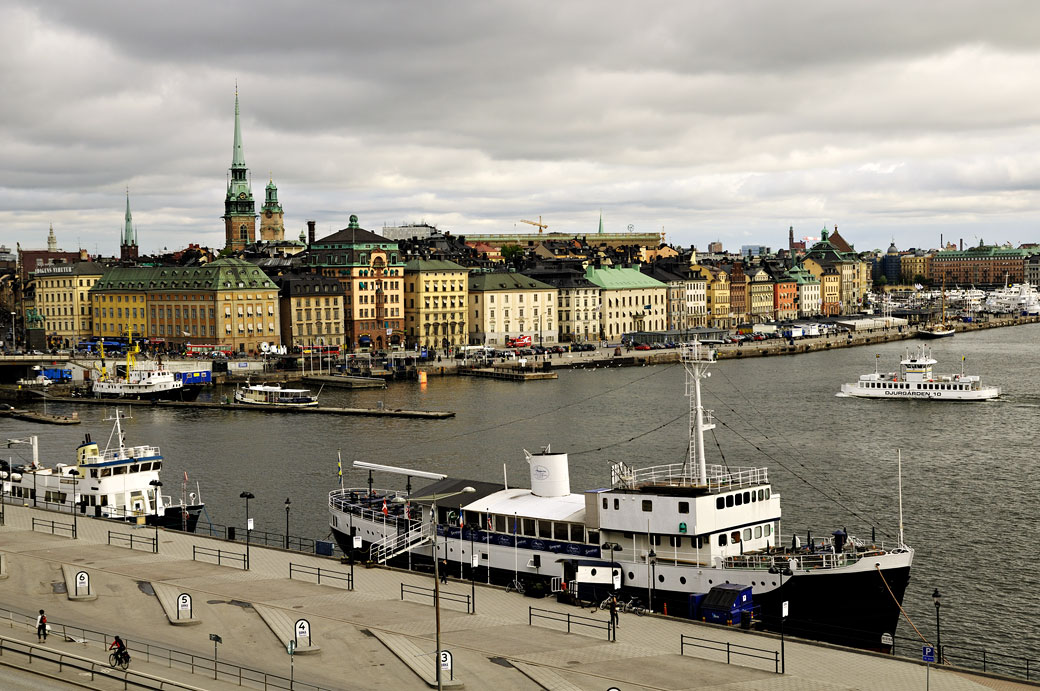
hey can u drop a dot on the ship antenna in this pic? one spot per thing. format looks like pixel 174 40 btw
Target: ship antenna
pixel 696 360
pixel 899 457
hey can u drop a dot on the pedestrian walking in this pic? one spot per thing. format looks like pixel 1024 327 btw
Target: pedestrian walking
pixel 613 612
pixel 41 627
pixel 444 570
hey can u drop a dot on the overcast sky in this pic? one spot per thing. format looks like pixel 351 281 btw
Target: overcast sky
pixel 709 120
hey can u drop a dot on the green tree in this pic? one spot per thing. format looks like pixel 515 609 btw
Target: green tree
pixel 512 253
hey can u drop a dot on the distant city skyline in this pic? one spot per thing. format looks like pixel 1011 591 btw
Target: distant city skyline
pixel 709 121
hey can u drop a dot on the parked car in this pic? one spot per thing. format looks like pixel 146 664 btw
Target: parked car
pixel 643 346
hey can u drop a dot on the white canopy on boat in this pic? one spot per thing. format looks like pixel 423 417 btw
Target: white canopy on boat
pixel 523 503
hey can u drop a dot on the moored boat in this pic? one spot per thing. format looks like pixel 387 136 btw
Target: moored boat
pixel 274 395
pixel 915 379
pixel 120 483
pixel 145 381
pixel 666 533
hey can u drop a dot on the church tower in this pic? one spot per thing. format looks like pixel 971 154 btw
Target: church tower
pixel 239 209
pixel 52 242
pixel 128 245
pixel 272 225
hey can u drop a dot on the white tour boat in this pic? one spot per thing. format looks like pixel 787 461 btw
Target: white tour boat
pixel 274 395
pixel 120 483
pixel 915 379
pixel 145 381
pixel 667 533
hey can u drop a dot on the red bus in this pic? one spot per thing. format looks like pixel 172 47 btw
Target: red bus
pixel 518 342
pixel 207 350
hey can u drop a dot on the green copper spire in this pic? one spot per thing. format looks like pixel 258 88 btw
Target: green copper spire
pixel 600 222
pixel 129 236
pixel 238 158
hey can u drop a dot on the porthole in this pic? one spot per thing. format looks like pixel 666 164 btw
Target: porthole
pixel 631 576
pixel 710 581
pixel 592 572
pixel 660 578
pixel 682 580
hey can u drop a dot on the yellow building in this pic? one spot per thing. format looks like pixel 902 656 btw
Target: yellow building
pixel 504 306
pixel 717 296
pixel 436 300
pixel 760 295
pixel 62 299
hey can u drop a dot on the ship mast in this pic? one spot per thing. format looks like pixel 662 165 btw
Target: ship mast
pixel 696 359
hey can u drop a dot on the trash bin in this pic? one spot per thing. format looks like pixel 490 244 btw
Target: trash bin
pixel 323 548
pixel 745 620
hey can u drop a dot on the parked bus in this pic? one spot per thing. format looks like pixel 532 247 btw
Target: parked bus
pixel 207 350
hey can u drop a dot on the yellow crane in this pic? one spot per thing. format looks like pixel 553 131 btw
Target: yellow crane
pixel 541 226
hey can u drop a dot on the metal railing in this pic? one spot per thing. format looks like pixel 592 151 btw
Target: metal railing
pixel 173 659
pixel 221 555
pixel 55 527
pixel 680 474
pixel 357 501
pixel 320 573
pixel 256 537
pixel 568 619
pixel 129 539
pixel 392 545
pixel 430 593
pixel 731 650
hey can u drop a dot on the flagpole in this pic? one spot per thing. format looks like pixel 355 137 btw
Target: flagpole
pixel 488 534
pixel 516 553
pixel 462 526
pixel 339 467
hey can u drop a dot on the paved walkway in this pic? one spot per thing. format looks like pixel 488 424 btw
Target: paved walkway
pixel 645 656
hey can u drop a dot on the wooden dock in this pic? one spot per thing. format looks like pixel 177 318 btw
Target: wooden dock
pixel 42 418
pixel 345 381
pixel 508 373
pixel 318 410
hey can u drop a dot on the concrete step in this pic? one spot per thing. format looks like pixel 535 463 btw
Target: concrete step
pixel 544 677
pixel 72 576
pixel 418 660
pixel 169 597
pixel 283 625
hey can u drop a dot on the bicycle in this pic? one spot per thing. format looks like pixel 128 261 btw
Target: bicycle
pixel 515 586
pixel 121 660
pixel 634 606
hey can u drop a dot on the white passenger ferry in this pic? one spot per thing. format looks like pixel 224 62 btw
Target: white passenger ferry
pixel 666 534
pixel 274 395
pixel 121 483
pixel 915 379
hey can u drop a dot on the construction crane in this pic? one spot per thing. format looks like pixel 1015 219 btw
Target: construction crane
pixel 541 226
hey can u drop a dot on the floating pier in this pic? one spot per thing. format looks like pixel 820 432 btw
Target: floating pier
pixel 318 410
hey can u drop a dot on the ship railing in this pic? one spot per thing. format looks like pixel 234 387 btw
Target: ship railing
pixel 685 475
pixel 369 506
pixel 129 452
pixel 392 545
pixel 802 560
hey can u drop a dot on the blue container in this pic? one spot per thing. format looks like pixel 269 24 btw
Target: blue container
pixel 694 605
pixel 323 548
pixel 725 603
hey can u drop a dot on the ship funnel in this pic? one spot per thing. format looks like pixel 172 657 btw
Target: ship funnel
pixel 87 452
pixel 550 474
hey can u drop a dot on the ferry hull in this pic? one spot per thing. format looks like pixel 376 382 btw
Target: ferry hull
pixel 185 393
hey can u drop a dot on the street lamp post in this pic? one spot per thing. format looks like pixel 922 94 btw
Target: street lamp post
pixel 936 597
pixel 75 485
pixel 613 547
pixel 434 498
pixel 156 484
pixel 287 504
pixel 247 496
pixel 785 571
pixel 651 560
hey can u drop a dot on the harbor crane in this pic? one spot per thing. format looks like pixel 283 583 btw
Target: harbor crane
pixel 541 226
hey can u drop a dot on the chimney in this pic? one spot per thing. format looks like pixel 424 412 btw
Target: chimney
pixel 310 232
pixel 962 244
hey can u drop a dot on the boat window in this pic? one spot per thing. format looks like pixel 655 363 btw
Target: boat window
pixel 729 500
pixel 577 532
pixel 655 540
pixel 758 531
pixel 157 465
pixel 767 493
pixel 753 496
pixel 593 537
pixel 674 541
pixel 720 503
pixel 747 533
pixel 648 505
pixel 735 536
pixel 528 527
pixel 545 529
pixel 747 497
pixel 135 467
pixel 760 495
pixel 119 470
pixel 93 472
pixel 617 503
pixel 500 524
pixel 722 540
pixel 104 500
pixel 684 507
pixel 769 529
pixel 604 503
pixel 106 472
pixel 738 499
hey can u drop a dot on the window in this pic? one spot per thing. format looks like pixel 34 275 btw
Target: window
pixel 747 533
pixel 617 504
pixel 684 507
pixel 648 505
pixel 528 526
pixel 604 503
pixel 735 536
pixel 545 530
pixel 720 503
pixel 738 498
pixel 729 501
pixel 722 540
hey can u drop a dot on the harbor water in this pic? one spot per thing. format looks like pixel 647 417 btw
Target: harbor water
pixel 970 489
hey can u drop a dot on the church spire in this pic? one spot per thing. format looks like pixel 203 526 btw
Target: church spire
pixel 129 235
pixel 238 158
pixel 52 242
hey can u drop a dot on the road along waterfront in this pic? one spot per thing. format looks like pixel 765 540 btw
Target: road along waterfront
pixel 968 478
pixel 349 625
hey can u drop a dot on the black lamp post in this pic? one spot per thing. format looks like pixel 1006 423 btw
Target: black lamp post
pixel 785 571
pixel 936 598
pixel 247 496
pixel 75 485
pixel 287 504
pixel 156 484
pixel 651 559
pixel 613 547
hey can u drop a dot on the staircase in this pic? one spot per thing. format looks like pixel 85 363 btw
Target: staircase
pixel 392 545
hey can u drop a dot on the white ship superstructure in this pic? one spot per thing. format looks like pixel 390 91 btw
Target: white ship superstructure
pixel 915 379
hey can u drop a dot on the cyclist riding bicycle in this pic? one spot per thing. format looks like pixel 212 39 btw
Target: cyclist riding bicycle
pixel 120 648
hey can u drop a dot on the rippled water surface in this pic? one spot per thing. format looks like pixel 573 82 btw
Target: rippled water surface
pixel 970 486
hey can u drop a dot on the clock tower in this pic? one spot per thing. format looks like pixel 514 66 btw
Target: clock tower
pixel 272 225
pixel 239 209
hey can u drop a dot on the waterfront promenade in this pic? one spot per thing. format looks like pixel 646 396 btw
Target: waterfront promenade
pixel 363 634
